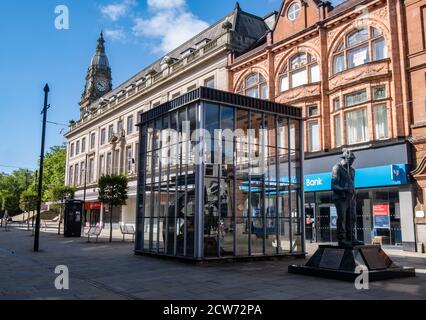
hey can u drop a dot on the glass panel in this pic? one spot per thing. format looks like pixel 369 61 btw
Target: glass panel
pixel 298 61
pixel 226 221
pixel 336 104
pixel 356 126
pixel 253 92
pixel 379 93
pixel 313 136
pixel 264 91
pixel 299 78
pixel 375 32
pixel 211 217
pixel 339 63
pixel 337 131
pixel 340 47
pixel 381 121
pixel 355 98
pixel 284 85
pixel 380 50
pixel 241 218
pixel 315 73
pixel 252 80
pixel 358 56
pixel 357 37
pixel 242 150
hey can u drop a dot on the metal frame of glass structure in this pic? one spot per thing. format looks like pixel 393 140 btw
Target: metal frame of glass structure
pixel 220 176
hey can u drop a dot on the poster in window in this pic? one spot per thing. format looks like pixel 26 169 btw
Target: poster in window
pixel 381 216
pixel 333 218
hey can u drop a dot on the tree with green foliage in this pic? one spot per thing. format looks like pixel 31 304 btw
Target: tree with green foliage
pixel 113 193
pixel 12 185
pixel 54 170
pixel 61 193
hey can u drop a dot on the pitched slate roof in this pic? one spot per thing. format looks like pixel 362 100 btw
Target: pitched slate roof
pixel 243 23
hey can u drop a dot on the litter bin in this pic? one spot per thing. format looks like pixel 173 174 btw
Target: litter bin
pixel 72 218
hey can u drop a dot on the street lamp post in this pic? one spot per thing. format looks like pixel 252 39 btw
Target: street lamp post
pixel 40 174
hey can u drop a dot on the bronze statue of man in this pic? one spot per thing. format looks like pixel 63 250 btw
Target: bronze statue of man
pixel 343 187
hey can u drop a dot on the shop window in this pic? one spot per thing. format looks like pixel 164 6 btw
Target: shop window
pixel 356 126
pixel 313 137
pixel 358 48
pixel 381 122
pixel 299 70
pixel 255 86
pixel 379 93
pixel 355 98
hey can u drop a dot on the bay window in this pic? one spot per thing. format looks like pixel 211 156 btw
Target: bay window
pixel 356 126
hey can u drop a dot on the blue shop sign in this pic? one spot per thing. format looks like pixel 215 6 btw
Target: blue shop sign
pixel 393 175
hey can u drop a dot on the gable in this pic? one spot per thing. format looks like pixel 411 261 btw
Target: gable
pixel 297 15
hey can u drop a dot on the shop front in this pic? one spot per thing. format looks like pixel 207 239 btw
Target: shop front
pixel 384 202
pixel 92 213
pixel 220 177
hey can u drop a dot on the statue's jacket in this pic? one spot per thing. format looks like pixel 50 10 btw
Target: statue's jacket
pixel 342 182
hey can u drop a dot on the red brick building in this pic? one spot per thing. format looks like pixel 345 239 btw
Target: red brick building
pixel 415 64
pixel 358 72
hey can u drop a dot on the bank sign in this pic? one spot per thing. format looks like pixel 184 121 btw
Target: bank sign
pixel 392 175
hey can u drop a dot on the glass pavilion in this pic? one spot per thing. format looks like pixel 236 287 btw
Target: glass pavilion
pixel 220 176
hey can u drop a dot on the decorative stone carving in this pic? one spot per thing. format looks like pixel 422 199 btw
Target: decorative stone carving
pixel 305 91
pixel 358 73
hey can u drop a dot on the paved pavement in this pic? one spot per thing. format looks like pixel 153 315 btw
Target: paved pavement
pixel 111 271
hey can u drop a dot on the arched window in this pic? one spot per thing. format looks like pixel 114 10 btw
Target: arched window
pixel 293 11
pixel 299 70
pixel 359 47
pixel 254 85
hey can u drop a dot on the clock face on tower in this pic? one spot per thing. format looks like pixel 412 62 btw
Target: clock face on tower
pixel 101 85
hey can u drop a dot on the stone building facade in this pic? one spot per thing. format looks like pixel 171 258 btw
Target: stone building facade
pixel 346 67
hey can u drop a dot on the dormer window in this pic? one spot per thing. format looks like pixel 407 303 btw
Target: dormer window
pixel 202 43
pixel 293 11
pixel 187 52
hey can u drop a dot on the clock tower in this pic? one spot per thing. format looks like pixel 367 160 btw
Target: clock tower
pixel 98 78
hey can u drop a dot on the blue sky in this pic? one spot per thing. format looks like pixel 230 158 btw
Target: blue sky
pixel 34 52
